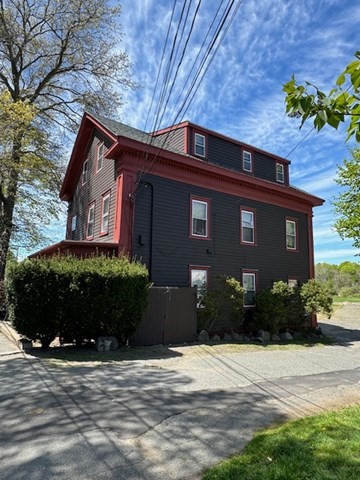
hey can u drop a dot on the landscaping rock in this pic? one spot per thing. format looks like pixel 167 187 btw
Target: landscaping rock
pixel 227 337
pixel 259 340
pixel 264 335
pixel 286 336
pixel 203 336
pixel 246 339
pixel 25 344
pixel 297 336
pixel 216 338
pixel 236 336
pixel 106 344
pixel 275 337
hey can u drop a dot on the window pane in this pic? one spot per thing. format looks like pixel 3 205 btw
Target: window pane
pixel 249 281
pixel 248 235
pixel 199 227
pixel 106 205
pixel 199 209
pixel 290 228
pixel 199 280
pixel 247 161
pixel 199 144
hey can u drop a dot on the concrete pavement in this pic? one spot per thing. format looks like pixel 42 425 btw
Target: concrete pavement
pixel 164 418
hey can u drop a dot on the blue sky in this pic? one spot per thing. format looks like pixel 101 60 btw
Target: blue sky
pixel 241 94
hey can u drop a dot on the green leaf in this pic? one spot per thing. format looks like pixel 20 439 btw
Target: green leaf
pixel 340 80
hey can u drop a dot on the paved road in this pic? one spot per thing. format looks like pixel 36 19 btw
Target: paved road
pixel 165 418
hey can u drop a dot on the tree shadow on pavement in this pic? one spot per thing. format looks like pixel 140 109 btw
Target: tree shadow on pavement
pixel 345 337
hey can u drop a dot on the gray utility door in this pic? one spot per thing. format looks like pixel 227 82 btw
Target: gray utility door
pixel 170 317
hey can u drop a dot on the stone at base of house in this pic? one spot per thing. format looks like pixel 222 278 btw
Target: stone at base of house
pixel 25 344
pixel 264 335
pixel 236 336
pixel 275 337
pixel 216 338
pixel 106 344
pixel 227 337
pixel 203 336
pixel 286 336
pixel 297 336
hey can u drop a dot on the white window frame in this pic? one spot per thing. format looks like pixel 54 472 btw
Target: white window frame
pixel 199 143
pixel 293 282
pixel 291 235
pixel 73 226
pixel 105 214
pixel 252 213
pixel 247 161
pixel 85 172
pixel 90 221
pixel 253 276
pixel 280 175
pixel 196 270
pixel 206 219
pixel 100 156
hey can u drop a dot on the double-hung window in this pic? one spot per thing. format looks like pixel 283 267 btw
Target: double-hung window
pixel 280 176
pixel 85 170
pixel 199 279
pixel 247 161
pixel 291 234
pixel 90 222
pixel 73 227
pixel 105 211
pixel 249 283
pixel 248 226
pixel 199 218
pixel 100 156
pixel 199 145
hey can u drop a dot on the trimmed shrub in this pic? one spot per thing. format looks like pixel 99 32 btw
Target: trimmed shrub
pixel 317 298
pixel 77 298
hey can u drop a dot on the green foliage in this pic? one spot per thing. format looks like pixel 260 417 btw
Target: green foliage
pixel 339 277
pixel 278 308
pixel 225 300
pixel 341 103
pixel 347 204
pixel 317 298
pixel 77 298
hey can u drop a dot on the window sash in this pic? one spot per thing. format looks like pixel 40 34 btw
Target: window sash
pixel 247 161
pixel 90 222
pixel 199 279
pixel 85 170
pixel 280 173
pixel 199 218
pixel 105 214
pixel 249 283
pixel 100 157
pixel 199 145
pixel 247 225
pixel 290 235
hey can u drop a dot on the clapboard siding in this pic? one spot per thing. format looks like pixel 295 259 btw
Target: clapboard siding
pixel 97 185
pixel 228 154
pixel 162 239
pixel 175 138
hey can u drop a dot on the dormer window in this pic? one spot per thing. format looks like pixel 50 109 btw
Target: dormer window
pixel 280 176
pixel 199 145
pixel 247 161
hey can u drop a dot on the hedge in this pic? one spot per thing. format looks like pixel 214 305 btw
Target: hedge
pixel 77 298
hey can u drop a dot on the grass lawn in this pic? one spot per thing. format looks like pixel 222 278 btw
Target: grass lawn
pixel 346 299
pixel 325 447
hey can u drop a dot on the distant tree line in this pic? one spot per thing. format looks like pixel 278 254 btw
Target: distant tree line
pixel 344 279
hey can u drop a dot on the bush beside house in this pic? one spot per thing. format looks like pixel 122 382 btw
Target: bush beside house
pixel 75 298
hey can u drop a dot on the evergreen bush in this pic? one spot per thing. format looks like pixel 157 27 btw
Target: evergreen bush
pixel 77 298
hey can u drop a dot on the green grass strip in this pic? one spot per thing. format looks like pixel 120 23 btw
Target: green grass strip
pixel 325 447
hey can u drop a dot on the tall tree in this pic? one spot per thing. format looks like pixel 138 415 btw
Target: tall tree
pixel 57 57
pixel 342 103
pixel 347 204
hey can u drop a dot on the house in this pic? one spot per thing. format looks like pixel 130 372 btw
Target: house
pixel 190 203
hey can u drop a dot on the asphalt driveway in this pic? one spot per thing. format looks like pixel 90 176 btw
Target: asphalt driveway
pixel 167 417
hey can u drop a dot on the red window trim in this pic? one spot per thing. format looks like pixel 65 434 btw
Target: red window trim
pixel 86 161
pixel 91 205
pixel 247 150
pixel 296 221
pixel 242 242
pixel 208 224
pixel 256 274
pixel 104 196
pixel 198 132
pixel 97 169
